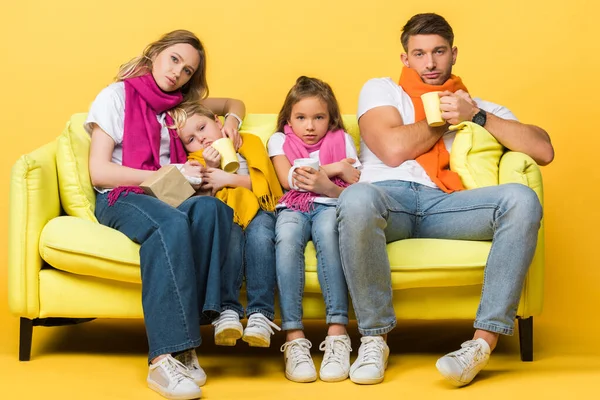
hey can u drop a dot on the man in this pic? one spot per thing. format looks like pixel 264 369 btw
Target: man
pixel 412 195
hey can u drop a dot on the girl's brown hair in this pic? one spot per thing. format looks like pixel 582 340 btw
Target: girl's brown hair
pixel 195 89
pixel 311 87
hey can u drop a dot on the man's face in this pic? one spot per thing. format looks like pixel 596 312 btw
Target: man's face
pixel 431 56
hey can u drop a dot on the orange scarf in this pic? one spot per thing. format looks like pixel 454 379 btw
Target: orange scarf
pixel 436 162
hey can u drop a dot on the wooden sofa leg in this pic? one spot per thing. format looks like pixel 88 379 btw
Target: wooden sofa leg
pixel 526 338
pixel 25 334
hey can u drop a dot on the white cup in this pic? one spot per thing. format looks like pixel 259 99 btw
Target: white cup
pixel 301 162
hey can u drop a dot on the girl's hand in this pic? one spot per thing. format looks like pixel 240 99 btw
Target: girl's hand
pixel 348 173
pixel 212 157
pixel 230 130
pixel 309 179
pixel 215 179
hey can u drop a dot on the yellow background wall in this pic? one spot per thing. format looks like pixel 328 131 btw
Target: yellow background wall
pixel 539 58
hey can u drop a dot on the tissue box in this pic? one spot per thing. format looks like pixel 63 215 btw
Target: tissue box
pixel 168 185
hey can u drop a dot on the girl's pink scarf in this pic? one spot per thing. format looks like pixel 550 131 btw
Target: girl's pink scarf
pixel 332 148
pixel 144 100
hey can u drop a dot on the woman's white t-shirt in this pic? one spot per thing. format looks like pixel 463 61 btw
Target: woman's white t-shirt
pixel 380 92
pixel 275 148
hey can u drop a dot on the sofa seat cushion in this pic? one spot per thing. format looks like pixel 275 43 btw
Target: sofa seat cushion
pixel 87 248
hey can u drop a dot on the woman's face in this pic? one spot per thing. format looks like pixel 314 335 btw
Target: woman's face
pixel 174 66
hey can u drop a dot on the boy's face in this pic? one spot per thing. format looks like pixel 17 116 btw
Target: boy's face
pixel 199 132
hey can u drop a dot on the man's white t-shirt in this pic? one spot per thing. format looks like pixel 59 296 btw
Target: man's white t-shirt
pixel 380 92
pixel 275 148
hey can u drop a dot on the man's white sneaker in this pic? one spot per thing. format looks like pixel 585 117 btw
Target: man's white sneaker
pixel 370 365
pixel 228 328
pixel 190 360
pixel 171 379
pixel 336 361
pixel 461 366
pixel 299 366
pixel 258 330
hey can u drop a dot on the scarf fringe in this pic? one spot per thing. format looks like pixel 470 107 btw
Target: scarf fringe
pixel 114 194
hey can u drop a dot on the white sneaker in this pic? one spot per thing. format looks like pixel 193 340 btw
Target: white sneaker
pixel 190 360
pixel 336 361
pixel 461 366
pixel 171 379
pixel 299 366
pixel 258 331
pixel 371 362
pixel 228 328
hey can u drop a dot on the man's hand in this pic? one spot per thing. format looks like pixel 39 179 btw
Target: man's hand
pixel 348 173
pixel 215 179
pixel 212 157
pixel 457 107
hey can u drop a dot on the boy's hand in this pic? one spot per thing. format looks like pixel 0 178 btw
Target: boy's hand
pixel 215 179
pixel 348 173
pixel 212 157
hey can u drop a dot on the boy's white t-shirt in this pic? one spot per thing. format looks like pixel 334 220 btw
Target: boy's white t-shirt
pixel 275 148
pixel 380 92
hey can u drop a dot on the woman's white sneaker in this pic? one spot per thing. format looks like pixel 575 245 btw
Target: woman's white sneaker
pixel 190 360
pixel 336 360
pixel 228 328
pixel 299 366
pixel 461 366
pixel 171 379
pixel 259 330
pixel 369 367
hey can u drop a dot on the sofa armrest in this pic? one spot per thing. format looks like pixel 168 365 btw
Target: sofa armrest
pixel 34 200
pixel 520 168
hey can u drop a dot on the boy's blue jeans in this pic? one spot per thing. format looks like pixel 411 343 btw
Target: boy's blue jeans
pixel 293 231
pixel 372 215
pixel 181 254
pixel 251 254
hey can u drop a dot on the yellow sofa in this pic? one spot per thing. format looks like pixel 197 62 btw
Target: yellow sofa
pixel 68 268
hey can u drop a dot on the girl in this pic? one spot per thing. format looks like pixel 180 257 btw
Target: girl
pixel 182 249
pixel 252 192
pixel 310 126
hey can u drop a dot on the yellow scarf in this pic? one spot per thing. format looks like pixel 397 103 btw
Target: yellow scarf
pixel 266 189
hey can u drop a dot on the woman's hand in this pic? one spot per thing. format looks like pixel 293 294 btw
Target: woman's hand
pixel 230 130
pixel 348 173
pixel 215 179
pixel 309 179
pixel 193 169
pixel 212 157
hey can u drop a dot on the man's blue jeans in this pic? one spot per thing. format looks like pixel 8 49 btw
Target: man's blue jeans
pixel 181 254
pixel 251 253
pixel 372 215
pixel 293 231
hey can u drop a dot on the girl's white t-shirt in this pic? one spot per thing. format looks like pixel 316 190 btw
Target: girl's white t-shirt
pixel 275 148
pixel 380 92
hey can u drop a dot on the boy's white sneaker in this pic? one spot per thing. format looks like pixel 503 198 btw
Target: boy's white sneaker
pixel 259 330
pixel 190 360
pixel 228 328
pixel 369 367
pixel 336 360
pixel 299 366
pixel 461 366
pixel 171 379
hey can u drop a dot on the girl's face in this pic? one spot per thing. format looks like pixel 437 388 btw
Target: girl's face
pixel 309 119
pixel 174 66
pixel 199 132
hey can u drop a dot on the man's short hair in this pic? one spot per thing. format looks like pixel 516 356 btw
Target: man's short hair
pixel 426 24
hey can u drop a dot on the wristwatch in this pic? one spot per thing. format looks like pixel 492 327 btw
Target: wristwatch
pixel 480 118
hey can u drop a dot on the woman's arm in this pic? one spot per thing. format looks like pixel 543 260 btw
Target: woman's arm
pixel 103 172
pixel 224 106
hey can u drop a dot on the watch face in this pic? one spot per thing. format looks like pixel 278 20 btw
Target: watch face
pixel 480 118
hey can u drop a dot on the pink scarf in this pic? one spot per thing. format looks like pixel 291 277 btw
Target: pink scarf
pixel 144 100
pixel 332 148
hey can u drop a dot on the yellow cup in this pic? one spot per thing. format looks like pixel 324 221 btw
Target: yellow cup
pixel 431 104
pixel 229 160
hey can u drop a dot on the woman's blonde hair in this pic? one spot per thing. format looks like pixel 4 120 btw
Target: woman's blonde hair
pixel 195 89
pixel 182 112
pixel 311 87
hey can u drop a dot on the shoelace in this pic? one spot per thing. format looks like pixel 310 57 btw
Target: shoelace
pixel 372 347
pixel 335 350
pixel 469 354
pixel 226 316
pixel 260 321
pixel 299 350
pixel 187 359
pixel 176 370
